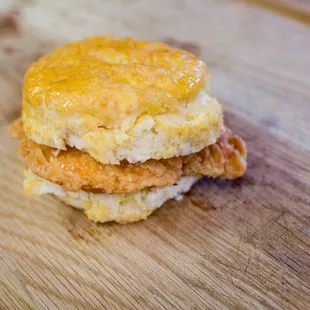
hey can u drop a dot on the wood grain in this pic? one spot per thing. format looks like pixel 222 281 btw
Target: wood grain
pixel 228 245
pixel 297 10
pixel 14 294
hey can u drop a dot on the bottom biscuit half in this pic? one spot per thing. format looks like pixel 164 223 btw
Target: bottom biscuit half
pixel 121 208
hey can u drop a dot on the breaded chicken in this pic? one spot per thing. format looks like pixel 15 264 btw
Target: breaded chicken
pixel 76 170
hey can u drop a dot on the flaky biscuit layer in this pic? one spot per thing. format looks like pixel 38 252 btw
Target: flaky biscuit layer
pixel 122 208
pixel 120 99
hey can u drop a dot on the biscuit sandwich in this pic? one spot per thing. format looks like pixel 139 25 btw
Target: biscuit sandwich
pixel 119 126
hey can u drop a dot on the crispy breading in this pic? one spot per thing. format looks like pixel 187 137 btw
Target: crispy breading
pixel 76 170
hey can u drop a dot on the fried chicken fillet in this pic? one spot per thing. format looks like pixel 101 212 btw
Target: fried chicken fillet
pixel 76 170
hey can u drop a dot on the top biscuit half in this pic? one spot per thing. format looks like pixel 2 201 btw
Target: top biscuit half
pixel 120 99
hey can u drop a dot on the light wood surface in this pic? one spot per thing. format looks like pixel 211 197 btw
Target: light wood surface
pixel 228 245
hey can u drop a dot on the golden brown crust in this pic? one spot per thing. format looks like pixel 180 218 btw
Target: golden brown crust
pixel 225 159
pixel 76 170
pixel 113 79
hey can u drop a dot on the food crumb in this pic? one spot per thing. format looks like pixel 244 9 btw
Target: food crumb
pixel 56 152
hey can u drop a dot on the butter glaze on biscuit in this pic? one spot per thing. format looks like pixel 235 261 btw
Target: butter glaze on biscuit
pixel 120 99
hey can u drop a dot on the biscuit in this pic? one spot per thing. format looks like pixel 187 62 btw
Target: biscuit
pixel 121 208
pixel 120 99
pixel 116 127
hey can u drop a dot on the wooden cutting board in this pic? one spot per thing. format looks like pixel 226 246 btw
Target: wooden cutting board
pixel 243 244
